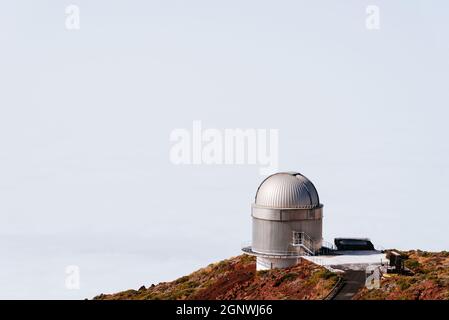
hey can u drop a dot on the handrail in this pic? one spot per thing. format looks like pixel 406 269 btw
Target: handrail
pixel 303 240
pixel 293 253
pixel 299 240
pixel 328 245
pixel 333 292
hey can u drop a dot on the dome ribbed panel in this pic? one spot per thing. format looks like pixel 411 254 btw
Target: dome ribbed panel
pixel 287 190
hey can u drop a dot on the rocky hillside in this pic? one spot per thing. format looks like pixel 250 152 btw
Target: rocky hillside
pixel 427 279
pixel 236 278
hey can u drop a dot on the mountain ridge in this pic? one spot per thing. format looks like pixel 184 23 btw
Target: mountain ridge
pixel 426 277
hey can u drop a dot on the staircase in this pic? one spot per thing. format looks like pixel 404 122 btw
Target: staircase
pixel 302 241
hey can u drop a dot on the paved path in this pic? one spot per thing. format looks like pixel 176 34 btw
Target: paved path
pixel 353 281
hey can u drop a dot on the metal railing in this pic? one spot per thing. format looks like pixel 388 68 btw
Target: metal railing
pixel 335 289
pixel 304 241
pixel 275 253
pixel 291 252
pixel 328 245
pixel 301 244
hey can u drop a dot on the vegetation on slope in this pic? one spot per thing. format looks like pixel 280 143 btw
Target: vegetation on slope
pixel 236 278
pixel 428 279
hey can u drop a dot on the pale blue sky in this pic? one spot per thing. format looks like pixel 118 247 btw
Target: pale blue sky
pixel 85 118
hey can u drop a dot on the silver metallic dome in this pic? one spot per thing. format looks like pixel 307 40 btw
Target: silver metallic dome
pixel 287 190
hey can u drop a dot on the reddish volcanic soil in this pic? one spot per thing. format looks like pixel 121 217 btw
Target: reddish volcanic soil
pixel 428 279
pixel 236 278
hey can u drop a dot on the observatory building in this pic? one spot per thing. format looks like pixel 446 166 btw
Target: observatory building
pixel 286 221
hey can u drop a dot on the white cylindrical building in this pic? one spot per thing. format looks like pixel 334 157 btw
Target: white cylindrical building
pixel 286 221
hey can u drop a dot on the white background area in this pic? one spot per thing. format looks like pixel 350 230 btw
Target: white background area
pixel 85 119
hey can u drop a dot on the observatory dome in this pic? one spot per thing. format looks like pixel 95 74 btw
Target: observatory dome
pixel 289 190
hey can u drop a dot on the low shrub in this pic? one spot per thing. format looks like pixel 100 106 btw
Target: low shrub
pixel 286 277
